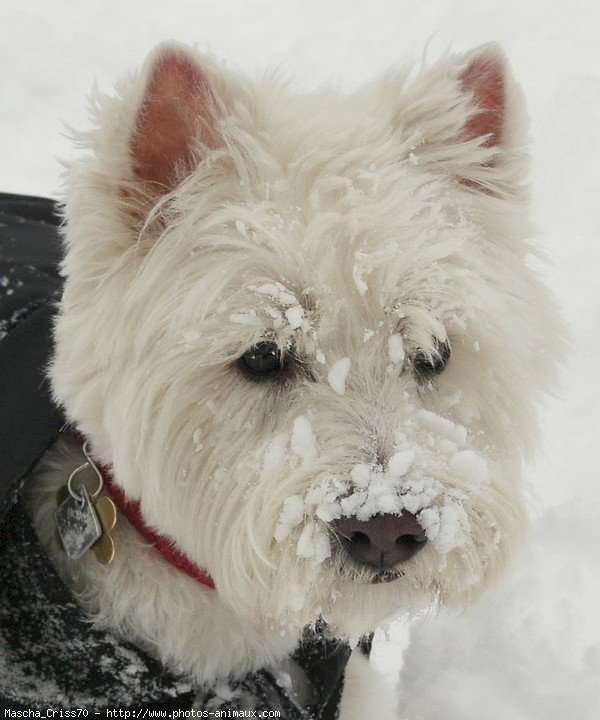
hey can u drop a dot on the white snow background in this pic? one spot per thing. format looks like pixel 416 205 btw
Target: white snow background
pixel 531 650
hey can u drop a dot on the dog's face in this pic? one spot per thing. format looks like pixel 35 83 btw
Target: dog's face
pixel 303 330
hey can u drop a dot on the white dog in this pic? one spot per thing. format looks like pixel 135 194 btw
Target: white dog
pixel 304 340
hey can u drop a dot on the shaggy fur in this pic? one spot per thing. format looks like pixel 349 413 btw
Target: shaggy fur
pixel 354 231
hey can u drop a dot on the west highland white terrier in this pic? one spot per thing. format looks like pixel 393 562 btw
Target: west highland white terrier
pixel 303 340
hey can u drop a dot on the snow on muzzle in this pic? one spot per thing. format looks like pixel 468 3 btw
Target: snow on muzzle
pixel 381 516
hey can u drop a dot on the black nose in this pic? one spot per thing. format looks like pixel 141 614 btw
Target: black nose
pixel 382 541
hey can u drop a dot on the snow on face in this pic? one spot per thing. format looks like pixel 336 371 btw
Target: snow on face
pixel 427 475
pixel 303 440
pixel 197 439
pixel 338 375
pixel 291 308
pixel 396 348
pixel 397 490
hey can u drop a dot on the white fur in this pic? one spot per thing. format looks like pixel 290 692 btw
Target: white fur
pixel 335 225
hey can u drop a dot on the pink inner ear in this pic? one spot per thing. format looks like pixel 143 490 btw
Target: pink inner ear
pixel 177 104
pixel 484 78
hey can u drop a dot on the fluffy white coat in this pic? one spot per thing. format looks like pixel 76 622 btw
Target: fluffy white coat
pixel 351 230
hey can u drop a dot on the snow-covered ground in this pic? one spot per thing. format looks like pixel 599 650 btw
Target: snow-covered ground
pixel 531 650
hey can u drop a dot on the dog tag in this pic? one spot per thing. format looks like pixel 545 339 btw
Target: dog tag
pixel 77 524
pixel 104 549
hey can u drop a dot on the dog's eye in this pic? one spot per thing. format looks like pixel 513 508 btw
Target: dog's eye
pixel 427 365
pixel 263 359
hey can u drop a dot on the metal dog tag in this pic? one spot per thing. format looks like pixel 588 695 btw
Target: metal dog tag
pixel 77 524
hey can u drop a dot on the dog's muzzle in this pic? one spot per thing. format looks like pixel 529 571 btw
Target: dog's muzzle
pixel 382 542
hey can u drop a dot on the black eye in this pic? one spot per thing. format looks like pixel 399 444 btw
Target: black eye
pixel 263 360
pixel 427 365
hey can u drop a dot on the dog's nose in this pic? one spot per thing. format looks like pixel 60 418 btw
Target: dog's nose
pixel 382 541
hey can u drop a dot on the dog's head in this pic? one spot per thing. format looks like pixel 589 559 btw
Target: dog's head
pixel 305 330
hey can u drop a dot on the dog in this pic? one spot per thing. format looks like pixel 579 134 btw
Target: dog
pixel 300 348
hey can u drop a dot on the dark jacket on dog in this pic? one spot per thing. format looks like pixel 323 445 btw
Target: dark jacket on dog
pixel 50 654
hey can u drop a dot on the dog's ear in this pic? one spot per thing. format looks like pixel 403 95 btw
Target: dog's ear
pixel 485 79
pixel 496 122
pixel 465 116
pixel 175 121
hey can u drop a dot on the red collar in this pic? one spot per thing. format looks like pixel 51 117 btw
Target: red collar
pixel 161 543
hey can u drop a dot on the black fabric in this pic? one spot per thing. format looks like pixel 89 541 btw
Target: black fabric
pixel 50 654
pixel 30 286
pixel 257 691
pixel 324 658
